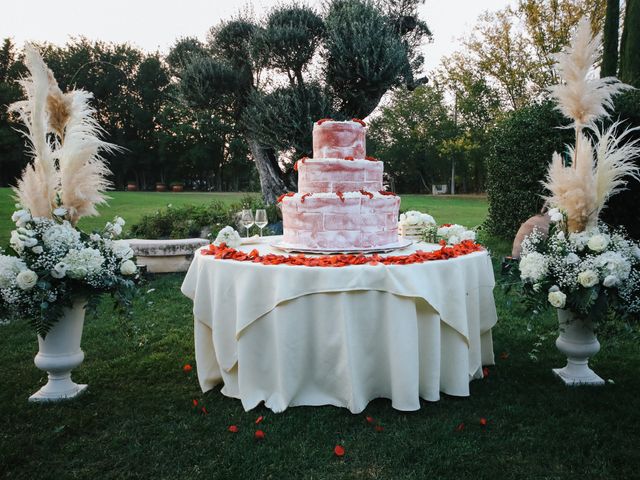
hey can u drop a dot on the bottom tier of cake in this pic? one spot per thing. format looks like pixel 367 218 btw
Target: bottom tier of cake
pixel 350 220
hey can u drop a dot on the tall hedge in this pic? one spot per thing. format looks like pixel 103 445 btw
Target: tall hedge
pixel 624 208
pixel 520 150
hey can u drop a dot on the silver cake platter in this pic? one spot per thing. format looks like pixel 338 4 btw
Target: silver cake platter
pixel 289 248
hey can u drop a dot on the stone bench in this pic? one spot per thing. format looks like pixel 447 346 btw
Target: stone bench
pixel 165 256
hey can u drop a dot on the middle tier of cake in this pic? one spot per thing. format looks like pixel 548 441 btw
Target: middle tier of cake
pixel 339 175
pixel 333 221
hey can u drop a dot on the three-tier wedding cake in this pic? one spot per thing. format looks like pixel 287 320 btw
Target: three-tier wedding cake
pixel 340 202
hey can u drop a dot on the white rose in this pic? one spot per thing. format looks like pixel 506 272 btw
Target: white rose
pixel 403 218
pixel 572 258
pixel 555 215
pixel 229 237
pixel 27 279
pixel 128 268
pixel 59 270
pixel 16 242
pixel 413 220
pixel 37 250
pixel 30 242
pixel 598 242
pixel 468 235
pixel 427 219
pixel 116 228
pixel 454 239
pixel 557 299
pixel 588 278
pixel 122 249
pixel 60 212
pixel 443 231
pixel 610 281
pixel 119 221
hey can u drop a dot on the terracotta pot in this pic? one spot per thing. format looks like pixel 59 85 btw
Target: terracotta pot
pixel 177 188
pixel 59 353
pixel 132 187
pixel 161 187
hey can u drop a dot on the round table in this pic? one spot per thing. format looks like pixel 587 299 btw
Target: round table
pixel 297 335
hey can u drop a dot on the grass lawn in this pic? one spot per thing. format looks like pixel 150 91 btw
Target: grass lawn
pixel 137 420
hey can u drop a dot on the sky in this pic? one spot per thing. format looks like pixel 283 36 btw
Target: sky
pixel 155 25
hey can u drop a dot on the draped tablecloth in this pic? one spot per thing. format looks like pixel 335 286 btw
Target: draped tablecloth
pixel 297 335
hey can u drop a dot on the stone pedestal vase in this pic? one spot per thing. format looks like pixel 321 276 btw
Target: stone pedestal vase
pixel 578 342
pixel 59 353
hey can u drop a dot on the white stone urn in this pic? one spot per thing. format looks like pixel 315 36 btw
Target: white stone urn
pixel 578 342
pixel 59 353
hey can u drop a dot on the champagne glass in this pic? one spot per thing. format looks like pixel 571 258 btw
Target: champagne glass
pixel 246 219
pixel 261 219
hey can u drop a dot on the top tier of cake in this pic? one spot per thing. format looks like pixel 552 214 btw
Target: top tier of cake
pixel 339 163
pixel 333 139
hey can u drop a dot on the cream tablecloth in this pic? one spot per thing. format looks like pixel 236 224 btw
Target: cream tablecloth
pixel 295 335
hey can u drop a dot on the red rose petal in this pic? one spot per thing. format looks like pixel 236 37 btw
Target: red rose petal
pixel 204 411
pixel 338 450
pixel 195 402
pixel 370 419
pixel 379 428
pixel 187 368
pixel 485 372
pixel 233 428
pixel 259 419
pixel 259 435
pixel 483 422
pixel 460 427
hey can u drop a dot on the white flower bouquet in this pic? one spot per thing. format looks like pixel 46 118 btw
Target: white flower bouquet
pixel 586 272
pixel 57 263
pixel 450 234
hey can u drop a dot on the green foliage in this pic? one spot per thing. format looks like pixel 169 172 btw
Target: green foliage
pixel 190 221
pixel 520 151
pixel 410 136
pixel 291 36
pixel 364 56
pixel 183 52
pixel 609 66
pixel 630 44
pixel 622 208
pixel 284 117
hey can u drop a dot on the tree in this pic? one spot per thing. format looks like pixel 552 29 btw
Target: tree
pixel 366 52
pixel 412 135
pixel 609 66
pixel 630 45
pixel 11 144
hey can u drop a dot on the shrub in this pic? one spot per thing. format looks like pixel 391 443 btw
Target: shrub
pixel 520 150
pixel 191 221
pixel 623 208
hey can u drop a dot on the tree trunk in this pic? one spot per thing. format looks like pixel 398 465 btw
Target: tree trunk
pixel 610 41
pixel 630 45
pixel 271 182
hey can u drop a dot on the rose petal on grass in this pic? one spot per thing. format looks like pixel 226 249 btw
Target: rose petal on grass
pixel 195 402
pixel 370 419
pixel 460 427
pixel 204 411
pixel 259 419
pixel 259 435
pixel 233 428
pixel 187 368
pixel 338 450
pixel 379 428
pixel 483 422
pixel 485 372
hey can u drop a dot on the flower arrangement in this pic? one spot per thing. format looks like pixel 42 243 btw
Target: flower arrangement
pixel 55 263
pixel 582 266
pixel 450 234
pixel 229 237
pixel 585 272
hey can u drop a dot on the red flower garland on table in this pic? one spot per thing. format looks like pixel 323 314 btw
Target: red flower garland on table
pixel 368 194
pixel 305 196
pixel 222 252
pixel 361 122
pixel 322 120
pixel 371 159
pixel 349 158
pixel 389 194
pixel 340 196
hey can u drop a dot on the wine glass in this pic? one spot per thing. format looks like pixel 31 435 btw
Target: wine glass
pixel 246 219
pixel 261 219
